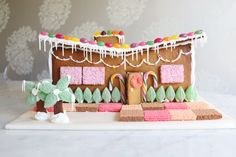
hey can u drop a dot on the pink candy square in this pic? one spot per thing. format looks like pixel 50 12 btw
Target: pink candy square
pixel 172 73
pixel 110 107
pixel 74 72
pixel 93 75
pixel 175 106
pixel 157 115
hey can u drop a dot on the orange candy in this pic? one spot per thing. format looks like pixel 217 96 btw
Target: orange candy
pixel 166 39
pixel 116 45
pixel 67 37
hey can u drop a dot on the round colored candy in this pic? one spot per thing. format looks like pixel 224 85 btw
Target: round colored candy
pixel 166 39
pixel 136 81
pixel 100 43
pixel 125 46
pixel 67 37
pixel 174 37
pixel 109 32
pixel 198 32
pixel 150 43
pixel 133 45
pixel 116 45
pixel 75 39
pixel 103 33
pixel 83 40
pixel 109 45
pixel 97 33
pixel 92 42
pixel 59 36
pixel 44 33
pixel 121 33
pixel 51 35
pixel 183 35
pixel 142 43
pixel 158 40
pixel 190 34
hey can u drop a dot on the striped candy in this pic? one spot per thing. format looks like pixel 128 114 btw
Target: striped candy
pixel 144 87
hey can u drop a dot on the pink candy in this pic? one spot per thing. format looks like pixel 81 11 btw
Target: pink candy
pixel 92 42
pixel 190 34
pixel 175 106
pixel 157 115
pixel 133 45
pixel 83 40
pixel 59 36
pixel 142 43
pixel 44 33
pixel 183 35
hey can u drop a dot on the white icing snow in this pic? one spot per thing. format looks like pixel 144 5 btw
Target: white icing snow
pixel 18 53
pixel 85 29
pixel 60 118
pixel 41 116
pixel 125 13
pixel 4 14
pixel 54 13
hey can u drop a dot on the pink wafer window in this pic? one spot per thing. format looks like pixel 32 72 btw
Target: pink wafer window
pixel 74 72
pixel 172 73
pixel 93 75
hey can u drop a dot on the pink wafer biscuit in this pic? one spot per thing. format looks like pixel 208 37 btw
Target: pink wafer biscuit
pixel 175 106
pixel 197 105
pixel 68 107
pixel 132 107
pixel 182 115
pixel 157 115
pixel 109 107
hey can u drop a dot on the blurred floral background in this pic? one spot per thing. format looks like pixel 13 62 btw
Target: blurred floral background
pixel 21 21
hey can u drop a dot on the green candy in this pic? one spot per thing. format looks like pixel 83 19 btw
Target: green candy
pixel 97 96
pixel 67 96
pixel 63 83
pixel 150 43
pixel 106 95
pixel 100 43
pixel 31 99
pixel 42 96
pixel 191 94
pixel 180 94
pixel 88 96
pixel 109 32
pixel 151 94
pixel 198 32
pixel 160 95
pixel 79 95
pixel 115 95
pixel 46 87
pixel 170 93
pixel 51 35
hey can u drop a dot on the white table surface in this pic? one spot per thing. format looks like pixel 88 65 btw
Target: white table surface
pixel 189 143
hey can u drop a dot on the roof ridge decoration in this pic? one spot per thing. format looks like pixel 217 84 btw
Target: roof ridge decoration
pixel 120 50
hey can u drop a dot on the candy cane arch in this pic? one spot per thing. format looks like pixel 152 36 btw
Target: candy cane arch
pixel 144 87
pixel 122 85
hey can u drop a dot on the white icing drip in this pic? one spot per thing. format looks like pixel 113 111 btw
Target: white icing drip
pixel 42 116
pixel 60 118
pixel 121 38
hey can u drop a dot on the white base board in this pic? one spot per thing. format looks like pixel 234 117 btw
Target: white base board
pixel 109 121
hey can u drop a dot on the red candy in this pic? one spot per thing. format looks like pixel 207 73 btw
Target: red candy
pixel 136 81
pixel 83 40
pixel 121 33
pixel 108 45
pixel 103 33
pixel 59 36
pixel 133 45
pixel 158 40
pixel 183 35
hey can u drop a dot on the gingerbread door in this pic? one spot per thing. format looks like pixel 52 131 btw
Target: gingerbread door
pixel 134 88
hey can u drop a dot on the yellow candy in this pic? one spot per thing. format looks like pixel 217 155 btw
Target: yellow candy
pixel 116 45
pixel 97 33
pixel 125 46
pixel 174 37
pixel 75 39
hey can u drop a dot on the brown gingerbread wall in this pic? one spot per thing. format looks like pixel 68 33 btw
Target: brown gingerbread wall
pixel 165 53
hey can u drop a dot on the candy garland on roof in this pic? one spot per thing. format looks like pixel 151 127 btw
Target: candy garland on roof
pixel 119 34
pixel 119 50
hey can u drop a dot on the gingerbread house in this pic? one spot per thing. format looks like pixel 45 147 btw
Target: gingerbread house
pixel 133 68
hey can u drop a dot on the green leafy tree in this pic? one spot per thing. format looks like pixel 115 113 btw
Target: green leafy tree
pixel 170 93
pixel 79 95
pixel 106 95
pixel 97 96
pixel 180 94
pixel 151 94
pixel 160 94
pixel 88 96
pixel 191 94
pixel 115 95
